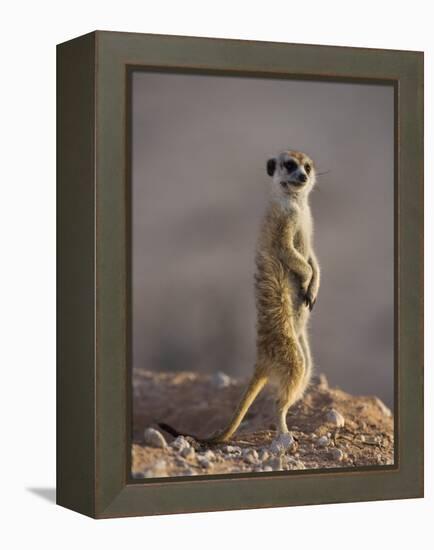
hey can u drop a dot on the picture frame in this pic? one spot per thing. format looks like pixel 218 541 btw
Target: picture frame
pixel 94 298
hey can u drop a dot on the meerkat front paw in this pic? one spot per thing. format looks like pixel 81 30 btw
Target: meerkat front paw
pixel 310 298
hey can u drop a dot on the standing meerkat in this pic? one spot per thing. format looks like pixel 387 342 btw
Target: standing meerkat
pixel 286 287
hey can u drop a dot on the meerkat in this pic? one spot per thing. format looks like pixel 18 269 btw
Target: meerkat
pixel 287 280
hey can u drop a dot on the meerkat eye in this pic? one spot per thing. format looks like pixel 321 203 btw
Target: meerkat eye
pixel 290 165
pixel 308 168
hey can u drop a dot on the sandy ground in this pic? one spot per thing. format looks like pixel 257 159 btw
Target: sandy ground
pixel 329 428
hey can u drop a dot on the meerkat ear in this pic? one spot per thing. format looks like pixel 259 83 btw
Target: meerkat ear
pixel 271 166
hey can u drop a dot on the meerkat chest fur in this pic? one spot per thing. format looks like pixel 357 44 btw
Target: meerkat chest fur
pixel 283 253
pixel 298 228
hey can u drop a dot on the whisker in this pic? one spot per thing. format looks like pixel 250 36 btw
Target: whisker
pixel 322 173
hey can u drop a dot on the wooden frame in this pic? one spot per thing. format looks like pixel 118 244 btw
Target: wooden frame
pixel 93 376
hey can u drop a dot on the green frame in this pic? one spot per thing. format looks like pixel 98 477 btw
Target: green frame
pixel 93 370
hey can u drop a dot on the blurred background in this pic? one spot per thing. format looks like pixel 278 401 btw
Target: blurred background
pixel 199 191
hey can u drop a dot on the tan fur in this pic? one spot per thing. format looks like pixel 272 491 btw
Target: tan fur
pixel 286 279
pixel 286 286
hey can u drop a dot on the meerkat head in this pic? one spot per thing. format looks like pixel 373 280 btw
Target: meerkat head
pixel 293 173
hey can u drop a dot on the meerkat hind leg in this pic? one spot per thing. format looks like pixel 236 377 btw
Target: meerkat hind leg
pixel 304 344
pixel 290 385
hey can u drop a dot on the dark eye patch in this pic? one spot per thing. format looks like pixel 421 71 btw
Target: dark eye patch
pixel 290 165
pixel 308 168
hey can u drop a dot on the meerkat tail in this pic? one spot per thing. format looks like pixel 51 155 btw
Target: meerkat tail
pixel 169 429
pixel 255 386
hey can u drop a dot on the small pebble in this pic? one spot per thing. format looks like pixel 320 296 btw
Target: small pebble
pixel 188 453
pixel 337 454
pixel 384 409
pixel 203 461
pixel 180 443
pixel 231 449
pixel 153 438
pixel 282 443
pixel 209 455
pixel 250 455
pixel 275 463
pixel 323 382
pixel 334 417
pixel 322 441
pixel 263 455
pixel 292 464
pixel 221 380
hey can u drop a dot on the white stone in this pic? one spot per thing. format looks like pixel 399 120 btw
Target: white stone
pixel 188 452
pixel 263 455
pixel 275 463
pixel 292 464
pixel 180 443
pixel 231 449
pixel 323 441
pixel 334 417
pixel 221 380
pixel 153 438
pixel 250 455
pixel 282 443
pixel 384 409
pixel 209 455
pixel 203 461
pixel 336 454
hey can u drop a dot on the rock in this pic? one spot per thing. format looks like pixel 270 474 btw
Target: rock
pixel 221 380
pixel 209 455
pixel 203 461
pixel 275 463
pixel 336 454
pixel 322 441
pixel 383 408
pixel 180 443
pixel 282 443
pixel 250 455
pixel 153 438
pixel 231 449
pixel 263 455
pixel 267 468
pixel 293 464
pixel 188 453
pixel 320 381
pixel 334 417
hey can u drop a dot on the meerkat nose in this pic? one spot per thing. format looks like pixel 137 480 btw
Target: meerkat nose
pixel 302 177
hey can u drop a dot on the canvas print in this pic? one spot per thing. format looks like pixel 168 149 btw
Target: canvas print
pixel 261 275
